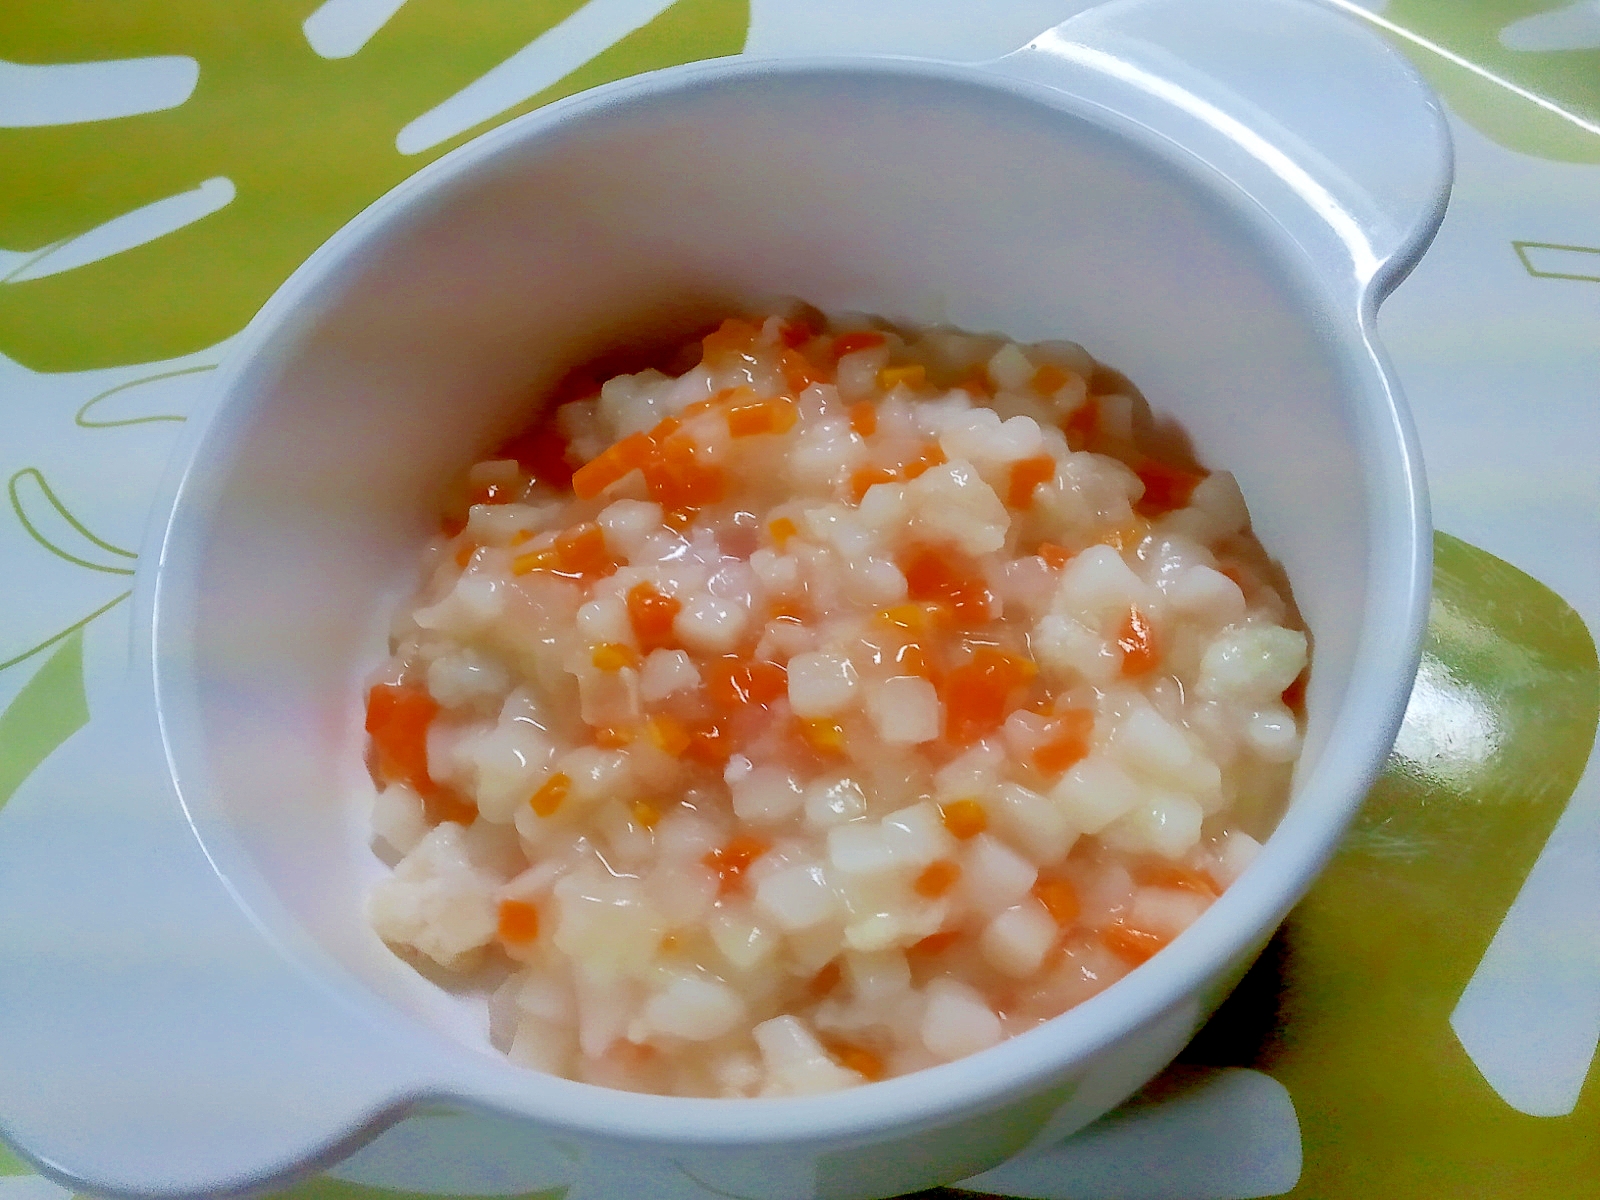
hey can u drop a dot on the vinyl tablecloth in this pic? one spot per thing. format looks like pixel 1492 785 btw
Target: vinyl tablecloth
pixel 1424 1024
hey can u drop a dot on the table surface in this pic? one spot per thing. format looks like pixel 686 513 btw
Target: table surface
pixel 1424 1023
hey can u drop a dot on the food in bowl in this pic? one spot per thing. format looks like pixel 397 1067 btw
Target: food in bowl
pixel 836 703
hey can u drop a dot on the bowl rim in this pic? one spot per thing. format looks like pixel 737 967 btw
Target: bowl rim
pixel 1382 667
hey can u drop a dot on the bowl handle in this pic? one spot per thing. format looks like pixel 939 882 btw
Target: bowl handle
pixel 153 1040
pixel 1289 100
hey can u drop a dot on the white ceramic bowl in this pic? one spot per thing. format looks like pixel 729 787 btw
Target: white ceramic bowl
pixel 1211 195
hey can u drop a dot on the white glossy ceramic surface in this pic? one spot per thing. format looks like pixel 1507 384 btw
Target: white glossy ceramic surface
pixel 1212 195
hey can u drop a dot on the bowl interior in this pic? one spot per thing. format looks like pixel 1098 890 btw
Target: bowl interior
pixel 426 331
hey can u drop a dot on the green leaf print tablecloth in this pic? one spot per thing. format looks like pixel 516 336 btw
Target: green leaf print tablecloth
pixel 1425 1023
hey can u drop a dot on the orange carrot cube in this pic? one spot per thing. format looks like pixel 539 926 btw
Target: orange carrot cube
pixel 1055 557
pixel 518 922
pixel 1060 900
pixel 651 613
pixel 1069 745
pixel 849 343
pixel 1027 474
pixel 582 550
pixel 398 716
pixel 913 376
pixel 1049 379
pixel 667 734
pixel 937 878
pixel 611 464
pixel 613 656
pixel 548 798
pixel 782 529
pixel 1132 944
pixel 1138 644
pixel 728 341
pixel 1165 487
pixel 965 818
pixel 753 417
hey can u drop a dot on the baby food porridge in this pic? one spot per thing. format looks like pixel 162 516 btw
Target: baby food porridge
pixel 836 705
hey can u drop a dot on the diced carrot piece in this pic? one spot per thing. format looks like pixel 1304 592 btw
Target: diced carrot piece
pixel 823 736
pixel 937 878
pixel 541 451
pixel 787 608
pixel 668 426
pixel 491 493
pixel 708 745
pixel 441 804
pixel 1132 944
pixel 611 464
pixel 1068 746
pixel 1165 487
pixel 1060 900
pixel 1128 536
pixel 796 332
pixel 974 704
pixel 398 717
pixel 679 519
pixel 798 374
pixel 825 980
pixel 733 683
pixel 1012 670
pixel 866 477
pixel 1138 644
pixel 677 479
pixel 464 554
pixel 935 943
pixel 977 383
pixel 749 418
pixel 864 418
pixel 931 576
pixel 613 656
pixel 849 343
pixel 856 1058
pixel 668 734
pixel 919 617
pixel 906 616
pixel 730 340
pixel 452 525
pixel 551 793
pixel 582 550
pixel 931 454
pixel 965 818
pixel 1080 426
pixel 913 376
pixel 768 681
pixel 645 815
pixel 669 942
pixel 651 613
pixel 1294 696
pixel 671 425
pixel 782 529
pixel 536 560
pixel 519 922
pixel 731 861
pixel 610 737
pixel 1048 379
pixel 1177 877
pixel 1027 474
pixel 975 694
pixel 1055 557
